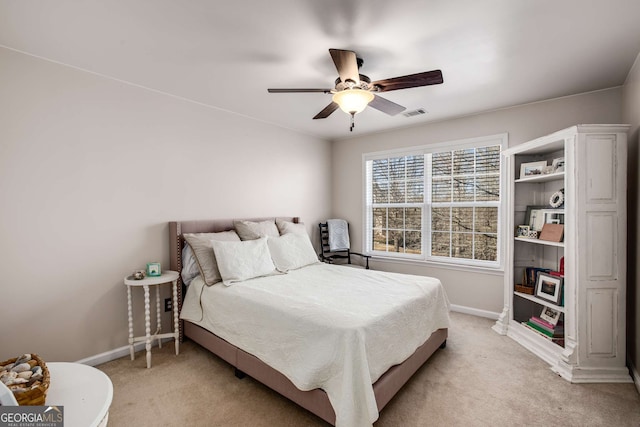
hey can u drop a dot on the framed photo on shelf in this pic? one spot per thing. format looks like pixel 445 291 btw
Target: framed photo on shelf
pixel 522 231
pixel 532 169
pixel 537 216
pixel 553 216
pixel 534 217
pixel 550 315
pixel 558 164
pixel 549 288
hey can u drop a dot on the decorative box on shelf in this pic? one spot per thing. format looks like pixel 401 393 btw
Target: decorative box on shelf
pixel 524 289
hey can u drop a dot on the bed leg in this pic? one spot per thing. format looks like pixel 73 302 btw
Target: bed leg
pixel 238 373
pixel 444 344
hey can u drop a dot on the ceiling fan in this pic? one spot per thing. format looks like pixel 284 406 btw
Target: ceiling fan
pixel 354 91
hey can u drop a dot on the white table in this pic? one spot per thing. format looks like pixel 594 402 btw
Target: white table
pixel 84 391
pixel 166 277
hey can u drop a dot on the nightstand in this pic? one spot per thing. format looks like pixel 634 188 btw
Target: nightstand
pixel 166 277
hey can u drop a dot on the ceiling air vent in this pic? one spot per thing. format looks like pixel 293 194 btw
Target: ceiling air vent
pixel 413 113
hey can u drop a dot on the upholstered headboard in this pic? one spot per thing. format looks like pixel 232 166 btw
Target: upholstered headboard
pixel 176 241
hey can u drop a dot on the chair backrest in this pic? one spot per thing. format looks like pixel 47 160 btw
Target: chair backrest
pixel 324 243
pixel 324 239
pixel 6 396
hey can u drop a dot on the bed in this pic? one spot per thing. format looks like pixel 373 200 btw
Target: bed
pixel 334 385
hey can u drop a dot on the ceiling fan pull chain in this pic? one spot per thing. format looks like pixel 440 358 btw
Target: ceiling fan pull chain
pixel 353 115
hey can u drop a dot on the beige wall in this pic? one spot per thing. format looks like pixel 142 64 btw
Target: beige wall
pixel 477 290
pixel 631 115
pixel 91 171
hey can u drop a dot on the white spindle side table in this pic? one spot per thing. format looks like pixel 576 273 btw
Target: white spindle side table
pixel 166 277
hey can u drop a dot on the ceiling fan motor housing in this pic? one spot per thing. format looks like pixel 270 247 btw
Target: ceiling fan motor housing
pixel 364 84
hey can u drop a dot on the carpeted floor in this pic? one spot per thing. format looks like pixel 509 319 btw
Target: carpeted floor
pixel 479 379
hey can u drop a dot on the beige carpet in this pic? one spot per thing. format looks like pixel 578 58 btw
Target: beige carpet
pixel 480 379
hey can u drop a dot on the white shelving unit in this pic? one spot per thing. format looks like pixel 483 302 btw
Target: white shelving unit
pixel 594 251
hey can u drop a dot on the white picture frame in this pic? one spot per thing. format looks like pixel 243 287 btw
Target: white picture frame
pixel 550 315
pixel 549 288
pixel 528 170
pixel 558 165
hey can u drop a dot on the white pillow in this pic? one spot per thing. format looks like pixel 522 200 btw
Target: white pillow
pixel 190 268
pixel 250 230
pixel 292 251
pixel 238 261
pixel 286 227
pixel 201 245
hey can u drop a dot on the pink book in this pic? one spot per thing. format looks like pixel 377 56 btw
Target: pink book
pixel 543 322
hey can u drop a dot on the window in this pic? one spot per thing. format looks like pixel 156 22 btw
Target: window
pixel 438 203
pixel 397 189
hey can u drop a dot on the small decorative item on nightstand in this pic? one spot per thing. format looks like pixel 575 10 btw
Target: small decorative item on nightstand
pixel 153 269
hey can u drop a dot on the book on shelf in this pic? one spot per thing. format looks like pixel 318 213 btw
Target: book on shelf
pixel 558 338
pixel 531 275
pixel 545 327
pixel 556 274
pixel 543 323
pixel 540 329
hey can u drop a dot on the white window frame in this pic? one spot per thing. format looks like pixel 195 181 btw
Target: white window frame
pixel 427 150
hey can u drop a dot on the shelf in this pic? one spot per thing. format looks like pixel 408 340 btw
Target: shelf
pixel 592 154
pixel 539 242
pixel 540 301
pixel 559 341
pixel 542 178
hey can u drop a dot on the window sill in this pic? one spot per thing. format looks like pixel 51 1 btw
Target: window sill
pixel 496 271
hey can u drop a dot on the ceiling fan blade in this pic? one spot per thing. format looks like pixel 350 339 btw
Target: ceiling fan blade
pixel 298 90
pixel 327 111
pixel 386 106
pixel 412 80
pixel 346 64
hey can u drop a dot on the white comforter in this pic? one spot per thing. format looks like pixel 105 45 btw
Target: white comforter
pixel 326 326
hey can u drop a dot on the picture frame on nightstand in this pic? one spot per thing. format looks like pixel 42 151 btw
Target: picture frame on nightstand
pixel 153 269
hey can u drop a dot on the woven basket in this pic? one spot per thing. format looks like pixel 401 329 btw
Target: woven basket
pixel 524 289
pixel 36 395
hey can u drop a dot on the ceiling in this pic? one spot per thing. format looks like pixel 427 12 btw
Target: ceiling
pixel 492 53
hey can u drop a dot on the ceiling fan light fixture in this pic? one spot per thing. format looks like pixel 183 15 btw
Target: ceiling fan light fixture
pixel 353 101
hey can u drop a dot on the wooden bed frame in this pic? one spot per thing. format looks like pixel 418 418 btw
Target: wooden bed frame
pixel 315 401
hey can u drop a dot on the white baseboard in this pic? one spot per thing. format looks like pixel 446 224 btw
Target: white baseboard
pixel 474 311
pixel 114 354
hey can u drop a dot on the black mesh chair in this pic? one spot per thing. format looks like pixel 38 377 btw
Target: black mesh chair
pixel 338 256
